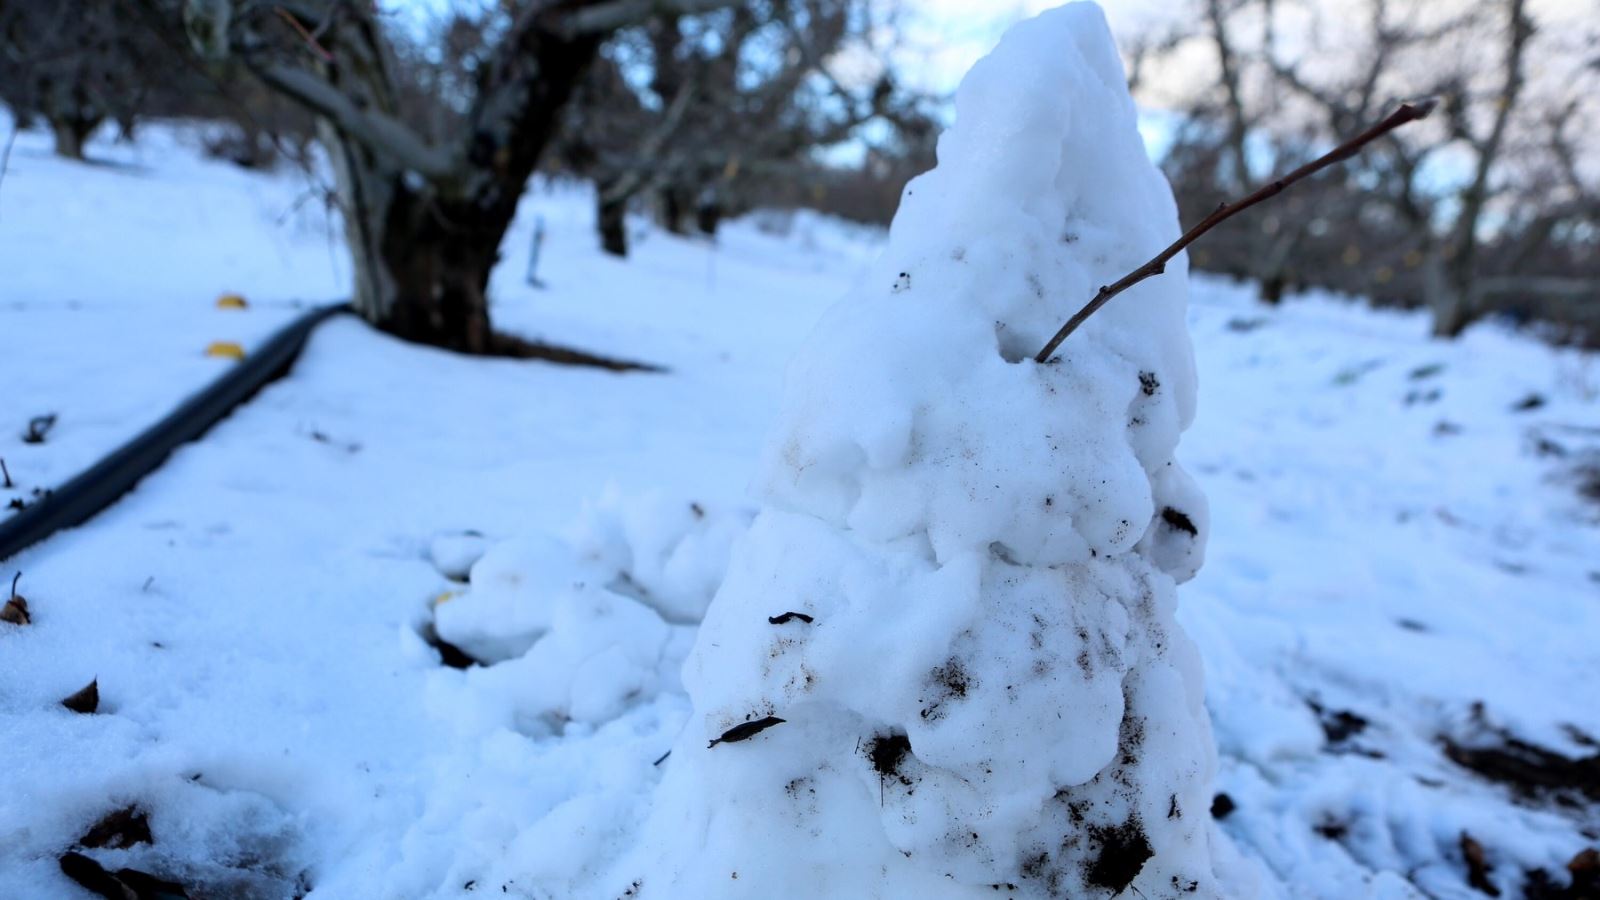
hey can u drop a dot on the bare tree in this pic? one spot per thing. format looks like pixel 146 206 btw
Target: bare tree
pixel 1474 214
pixel 77 66
pixel 424 216
pixel 744 95
pixel 1451 273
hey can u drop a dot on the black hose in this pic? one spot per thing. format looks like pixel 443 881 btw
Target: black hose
pixel 102 484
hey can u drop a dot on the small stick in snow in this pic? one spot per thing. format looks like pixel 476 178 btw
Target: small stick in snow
pixel 790 616
pixel 1408 112
pixel 5 154
pixel 39 428
pixel 746 731
pixel 7 473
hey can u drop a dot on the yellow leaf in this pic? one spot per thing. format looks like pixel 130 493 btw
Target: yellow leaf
pixel 445 597
pixel 225 350
pixel 232 301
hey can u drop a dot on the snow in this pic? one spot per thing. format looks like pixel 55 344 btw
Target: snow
pixel 135 245
pixel 1389 535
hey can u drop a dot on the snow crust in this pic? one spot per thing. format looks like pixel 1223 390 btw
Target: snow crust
pixel 983 685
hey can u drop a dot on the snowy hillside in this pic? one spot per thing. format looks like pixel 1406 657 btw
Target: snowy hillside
pixel 1397 617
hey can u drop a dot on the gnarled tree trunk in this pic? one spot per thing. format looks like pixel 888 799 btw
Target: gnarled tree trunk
pixel 424 221
pixel 423 247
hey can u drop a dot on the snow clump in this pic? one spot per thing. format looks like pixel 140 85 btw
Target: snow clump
pixel 582 627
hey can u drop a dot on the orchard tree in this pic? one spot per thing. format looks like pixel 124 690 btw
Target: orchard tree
pixel 1485 208
pixel 746 93
pixel 78 65
pixel 424 215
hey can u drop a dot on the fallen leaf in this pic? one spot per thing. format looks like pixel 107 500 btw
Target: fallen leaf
pixel 85 701
pixel 789 617
pixel 1477 865
pixel 124 884
pixel 745 731
pixel 15 611
pixel 119 830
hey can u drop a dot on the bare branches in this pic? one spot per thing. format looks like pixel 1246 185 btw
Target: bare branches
pixel 1406 113
pixel 650 148
pixel 1488 147
pixel 221 28
pixel 1238 128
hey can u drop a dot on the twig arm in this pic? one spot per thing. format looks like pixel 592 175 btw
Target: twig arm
pixel 1409 112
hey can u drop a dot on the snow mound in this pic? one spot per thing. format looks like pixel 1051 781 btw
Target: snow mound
pixel 944 659
pixel 579 628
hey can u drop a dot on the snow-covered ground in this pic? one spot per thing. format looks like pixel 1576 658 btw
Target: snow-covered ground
pixel 1398 540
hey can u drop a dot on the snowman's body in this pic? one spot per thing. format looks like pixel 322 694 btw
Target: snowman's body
pixel 987 690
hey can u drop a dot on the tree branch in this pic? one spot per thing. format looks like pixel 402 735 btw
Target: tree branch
pixel 1477 194
pixel 1228 66
pixel 650 148
pixel 1406 113
pixel 1553 286
pixel 603 18
pixel 378 132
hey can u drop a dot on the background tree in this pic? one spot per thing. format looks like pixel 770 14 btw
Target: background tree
pixel 729 100
pixel 78 65
pixel 1470 214
pixel 425 208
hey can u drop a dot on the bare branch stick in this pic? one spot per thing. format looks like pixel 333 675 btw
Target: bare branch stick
pixel 306 36
pixel 5 154
pixel 1409 112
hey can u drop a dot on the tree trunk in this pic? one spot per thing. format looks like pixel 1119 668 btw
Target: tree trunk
pixel 708 216
pixel 422 263
pixel 71 133
pixel 674 209
pixel 1449 299
pixel 612 220
pixel 1272 288
pixel 423 249
pixel 1275 268
pixel 1451 315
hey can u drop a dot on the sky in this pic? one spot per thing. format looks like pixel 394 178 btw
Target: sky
pixel 945 37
